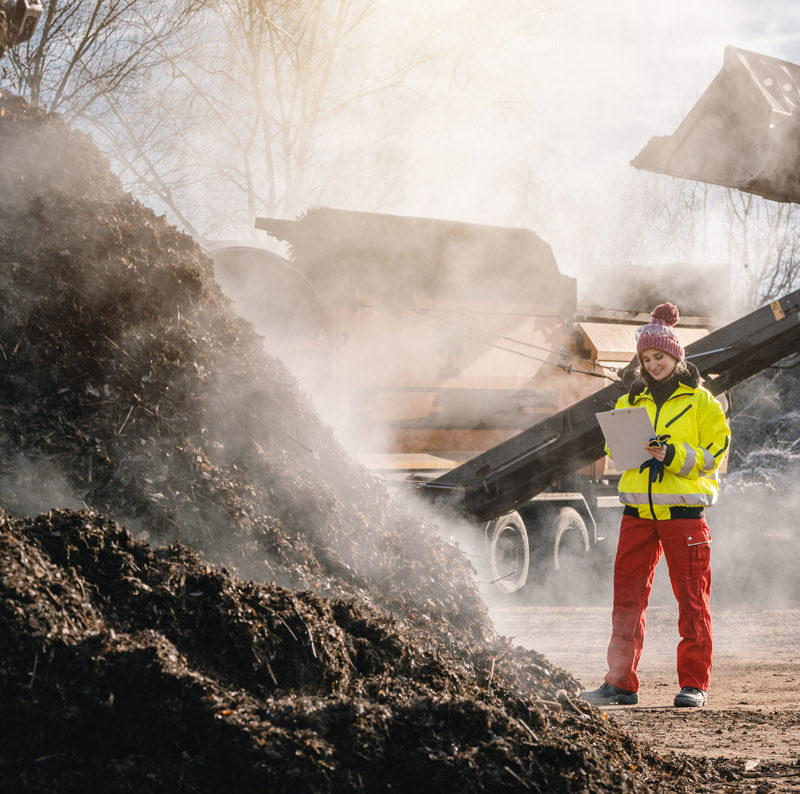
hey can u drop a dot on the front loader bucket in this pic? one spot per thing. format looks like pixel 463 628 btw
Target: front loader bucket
pixel 744 131
pixel 18 21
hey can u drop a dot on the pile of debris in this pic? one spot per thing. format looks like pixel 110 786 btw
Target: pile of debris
pixel 213 595
pixel 130 387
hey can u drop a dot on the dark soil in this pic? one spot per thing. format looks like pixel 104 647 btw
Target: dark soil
pixel 200 591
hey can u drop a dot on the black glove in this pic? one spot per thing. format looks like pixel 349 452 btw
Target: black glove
pixel 657 466
pixel 656 469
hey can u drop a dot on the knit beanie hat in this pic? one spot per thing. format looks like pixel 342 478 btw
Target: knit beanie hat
pixel 658 333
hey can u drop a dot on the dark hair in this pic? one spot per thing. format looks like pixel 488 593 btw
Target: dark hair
pixel 680 372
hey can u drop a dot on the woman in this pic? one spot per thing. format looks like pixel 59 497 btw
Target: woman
pixel 664 501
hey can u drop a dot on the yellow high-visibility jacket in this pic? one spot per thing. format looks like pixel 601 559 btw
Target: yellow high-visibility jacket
pixel 700 434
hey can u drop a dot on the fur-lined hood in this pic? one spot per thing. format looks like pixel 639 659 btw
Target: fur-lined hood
pixel 690 378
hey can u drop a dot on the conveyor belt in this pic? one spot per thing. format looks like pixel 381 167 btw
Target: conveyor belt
pixel 506 476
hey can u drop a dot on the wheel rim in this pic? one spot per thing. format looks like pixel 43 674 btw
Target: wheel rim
pixel 510 557
pixel 572 543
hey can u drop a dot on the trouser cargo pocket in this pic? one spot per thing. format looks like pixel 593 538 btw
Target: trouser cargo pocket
pixel 699 547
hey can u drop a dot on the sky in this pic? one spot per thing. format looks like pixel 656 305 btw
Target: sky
pixel 542 136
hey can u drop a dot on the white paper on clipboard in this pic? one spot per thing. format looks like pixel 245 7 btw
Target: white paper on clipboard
pixel 627 431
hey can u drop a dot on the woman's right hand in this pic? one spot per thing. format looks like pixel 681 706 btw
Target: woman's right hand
pixel 659 453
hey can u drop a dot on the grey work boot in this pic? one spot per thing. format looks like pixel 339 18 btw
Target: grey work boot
pixel 690 697
pixel 608 695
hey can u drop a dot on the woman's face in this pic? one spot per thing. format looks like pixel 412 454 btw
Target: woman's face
pixel 659 365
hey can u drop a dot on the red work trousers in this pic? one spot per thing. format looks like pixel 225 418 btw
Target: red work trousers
pixel 686 546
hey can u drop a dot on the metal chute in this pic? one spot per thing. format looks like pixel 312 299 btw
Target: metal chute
pixel 743 132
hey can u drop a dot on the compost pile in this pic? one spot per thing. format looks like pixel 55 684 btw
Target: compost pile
pixel 199 590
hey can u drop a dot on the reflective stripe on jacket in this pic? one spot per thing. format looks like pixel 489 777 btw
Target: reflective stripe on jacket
pixel 699 433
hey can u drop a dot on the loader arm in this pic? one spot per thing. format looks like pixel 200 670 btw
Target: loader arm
pixel 505 477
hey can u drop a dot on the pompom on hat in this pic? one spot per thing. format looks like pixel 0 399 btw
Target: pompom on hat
pixel 658 333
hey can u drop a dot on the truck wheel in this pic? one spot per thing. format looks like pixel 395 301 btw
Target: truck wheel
pixel 509 553
pixel 571 539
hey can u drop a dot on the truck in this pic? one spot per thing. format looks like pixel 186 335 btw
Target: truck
pixel 449 420
pixel 478 394
pixel 427 343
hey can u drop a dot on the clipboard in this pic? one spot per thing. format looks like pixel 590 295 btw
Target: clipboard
pixel 627 431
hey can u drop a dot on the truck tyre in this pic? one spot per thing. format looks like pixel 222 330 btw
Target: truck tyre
pixel 570 536
pixel 509 552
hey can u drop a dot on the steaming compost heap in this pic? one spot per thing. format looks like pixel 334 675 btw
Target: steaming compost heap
pixel 213 596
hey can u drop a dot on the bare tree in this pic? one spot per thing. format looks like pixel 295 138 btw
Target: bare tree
pixel 254 92
pixel 235 93
pixel 215 111
pixel 760 239
pixel 764 242
pixel 83 52
pixel 88 60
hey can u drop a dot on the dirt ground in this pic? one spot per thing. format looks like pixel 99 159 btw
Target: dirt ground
pixel 753 709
